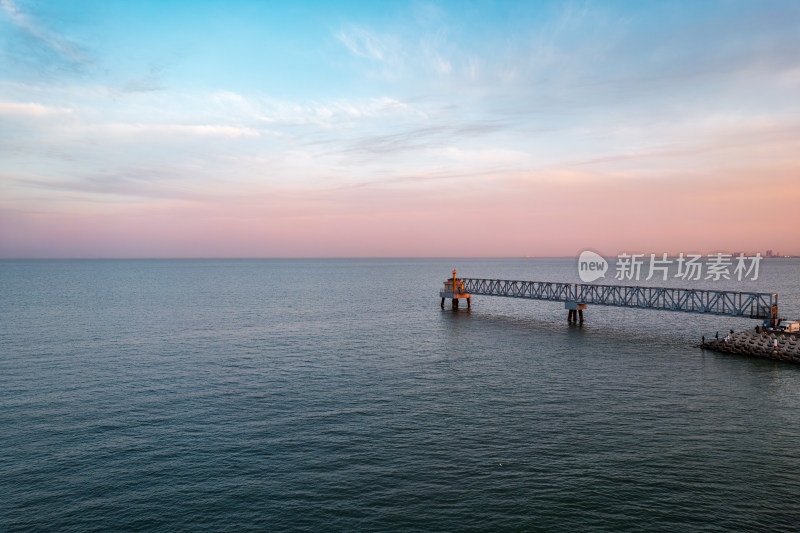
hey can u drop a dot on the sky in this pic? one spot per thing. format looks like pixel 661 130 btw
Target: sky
pixel 398 129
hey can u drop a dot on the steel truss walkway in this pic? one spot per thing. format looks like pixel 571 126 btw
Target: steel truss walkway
pixel 577 295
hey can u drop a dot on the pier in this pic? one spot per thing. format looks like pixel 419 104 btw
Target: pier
pixel 768 344
pixel 578 296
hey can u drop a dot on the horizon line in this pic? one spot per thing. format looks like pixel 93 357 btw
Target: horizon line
pixel 208 258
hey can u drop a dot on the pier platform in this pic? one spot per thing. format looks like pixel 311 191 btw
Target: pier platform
pixel 454 289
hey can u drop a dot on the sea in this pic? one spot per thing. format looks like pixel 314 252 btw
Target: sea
pixel 336 395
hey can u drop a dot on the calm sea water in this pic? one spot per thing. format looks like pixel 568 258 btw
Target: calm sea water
pixel 325 395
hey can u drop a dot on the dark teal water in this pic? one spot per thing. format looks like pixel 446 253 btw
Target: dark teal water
pixel 323 395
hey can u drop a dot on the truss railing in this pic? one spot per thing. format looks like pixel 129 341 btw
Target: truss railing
pixel 714 302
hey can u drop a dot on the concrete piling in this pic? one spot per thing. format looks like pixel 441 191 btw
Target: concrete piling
pixel 575 314
pixel 765 344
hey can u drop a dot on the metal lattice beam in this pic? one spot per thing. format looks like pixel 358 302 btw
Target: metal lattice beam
pixel 728 303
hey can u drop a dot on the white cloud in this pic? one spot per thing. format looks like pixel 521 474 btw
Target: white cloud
pixel 330 113
pixel 229 97
pixel 54 41
pixel 30 109
pixel 181 129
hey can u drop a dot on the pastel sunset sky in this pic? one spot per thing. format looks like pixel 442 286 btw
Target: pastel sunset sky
pixel 375 129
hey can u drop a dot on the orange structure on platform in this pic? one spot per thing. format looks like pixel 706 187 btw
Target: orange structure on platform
pixel 454 289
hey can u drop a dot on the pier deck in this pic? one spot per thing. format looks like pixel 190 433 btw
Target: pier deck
pixel 576 296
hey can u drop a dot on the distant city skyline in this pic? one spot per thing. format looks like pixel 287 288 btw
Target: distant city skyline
pixel 398 129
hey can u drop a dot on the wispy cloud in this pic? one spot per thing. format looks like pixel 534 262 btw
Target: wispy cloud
pixel 149 82
pixel 42 34
pixel 364 43
pixel 324 113
pixel 131 183
pixel 172 130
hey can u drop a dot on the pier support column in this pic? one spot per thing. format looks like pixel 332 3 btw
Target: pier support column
pixel 575 311
pixel 442 303
pixel 469 303
pixel 455 303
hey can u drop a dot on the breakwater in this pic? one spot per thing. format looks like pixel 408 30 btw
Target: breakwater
pixel 762 344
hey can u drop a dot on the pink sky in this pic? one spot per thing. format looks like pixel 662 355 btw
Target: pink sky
pixel 505 216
